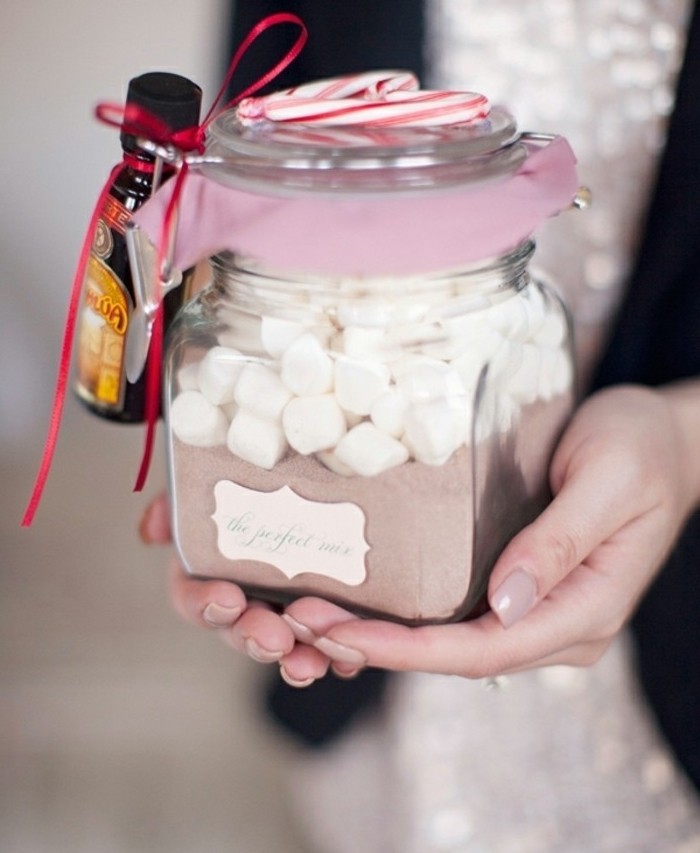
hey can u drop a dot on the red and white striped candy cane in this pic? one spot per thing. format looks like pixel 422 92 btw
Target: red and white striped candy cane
pixel 372 99
pixel 367 84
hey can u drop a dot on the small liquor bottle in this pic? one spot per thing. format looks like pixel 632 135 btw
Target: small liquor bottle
pixel 108 294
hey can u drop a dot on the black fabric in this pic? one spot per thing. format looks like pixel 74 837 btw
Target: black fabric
pixel 317 714
pixel 657 340
pixel 344 37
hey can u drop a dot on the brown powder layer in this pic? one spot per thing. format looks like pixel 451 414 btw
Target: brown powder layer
pixel 418 523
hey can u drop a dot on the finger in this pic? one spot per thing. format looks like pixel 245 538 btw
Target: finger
pixel 208 603
pixel 154 526
pixel 310 618
pixel 303 665
pixel 261 633
pixel 580 518
pixel 475 649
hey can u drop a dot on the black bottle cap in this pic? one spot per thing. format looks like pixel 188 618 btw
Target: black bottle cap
pixel 173 99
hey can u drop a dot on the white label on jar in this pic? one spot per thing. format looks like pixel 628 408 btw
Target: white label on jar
pixel 291 533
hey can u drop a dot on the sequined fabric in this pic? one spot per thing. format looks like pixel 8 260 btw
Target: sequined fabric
pixel 600 73
pixel 557 761
pixel 560 760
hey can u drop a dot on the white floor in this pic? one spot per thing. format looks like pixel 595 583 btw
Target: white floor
pixel 122 730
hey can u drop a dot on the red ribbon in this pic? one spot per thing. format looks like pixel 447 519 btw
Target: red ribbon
pixel 138 122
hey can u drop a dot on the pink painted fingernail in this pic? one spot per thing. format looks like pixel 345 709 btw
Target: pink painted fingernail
pixel 259 654
pixel 302 632
pixel 347 671
pixel 293 682
pixel 338 652
pixel 154 528
pixel 514 597
pixel 219 616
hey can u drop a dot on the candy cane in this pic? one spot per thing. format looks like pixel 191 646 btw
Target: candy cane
pixel 372 99
pixel 366 84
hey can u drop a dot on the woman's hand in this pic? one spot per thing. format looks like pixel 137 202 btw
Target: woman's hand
pixel 625 476
pixel 251 627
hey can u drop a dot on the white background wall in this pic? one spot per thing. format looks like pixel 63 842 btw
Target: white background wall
pixel 58 58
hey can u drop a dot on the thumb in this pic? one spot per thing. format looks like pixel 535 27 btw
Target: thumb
pixel 581 517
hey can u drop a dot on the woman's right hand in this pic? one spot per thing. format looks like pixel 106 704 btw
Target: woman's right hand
pixel 249 626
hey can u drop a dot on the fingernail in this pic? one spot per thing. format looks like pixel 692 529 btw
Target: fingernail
pixel 258 653
pixel 155 524
pixel 219 616
pixel 293 682
pixel 302 632
pixel 348 671
pixel 336 651
pixel 514 597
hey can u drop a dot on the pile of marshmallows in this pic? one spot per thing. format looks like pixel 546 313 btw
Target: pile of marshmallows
pixel 376 393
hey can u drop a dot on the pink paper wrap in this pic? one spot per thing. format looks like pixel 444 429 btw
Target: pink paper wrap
pixel 399 234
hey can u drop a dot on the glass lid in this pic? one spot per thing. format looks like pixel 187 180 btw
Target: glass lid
pixel 292 157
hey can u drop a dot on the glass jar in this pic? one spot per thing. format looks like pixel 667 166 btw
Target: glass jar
pixel 372 441
pixel 368 436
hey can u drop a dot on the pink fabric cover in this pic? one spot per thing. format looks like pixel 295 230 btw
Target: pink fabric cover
pixel 392 235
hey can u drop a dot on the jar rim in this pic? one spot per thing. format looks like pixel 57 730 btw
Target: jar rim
pixel 518 256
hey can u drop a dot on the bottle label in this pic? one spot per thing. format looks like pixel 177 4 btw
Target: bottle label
pixel 292 533
pixel 103 320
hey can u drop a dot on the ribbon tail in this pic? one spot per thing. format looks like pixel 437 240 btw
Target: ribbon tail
pixel 65 357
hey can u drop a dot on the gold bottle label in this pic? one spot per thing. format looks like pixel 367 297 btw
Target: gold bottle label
pixel 103 323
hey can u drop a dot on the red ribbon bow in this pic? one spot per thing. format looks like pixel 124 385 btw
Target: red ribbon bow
pixel 141 124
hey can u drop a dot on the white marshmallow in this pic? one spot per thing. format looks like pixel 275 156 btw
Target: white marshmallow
pixel 218 373
pixel 306 368
pixel 359 383
pixel 188 377
pixel 368 451
pixel 408 362
pixel 462 305
pixel 510 317
pixel 260 390
pixel 377 344
pixel 313 423
pixel 506 413
pixel 277 334
pixel 446 348
pixel 563 373
pixel 505 361
pixel 256 440
pixel 536 307
pixel 552 333
pixel 556 373
pixel 464 323
pixel 196 421
pixel 429 381
pixel 331 461
pixel 524 381
pixel 486 420
pixel 388 413
pixel 469 365
pixel 368 312
pixel 436 428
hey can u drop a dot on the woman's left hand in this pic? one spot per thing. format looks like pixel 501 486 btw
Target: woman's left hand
pixel 625 477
